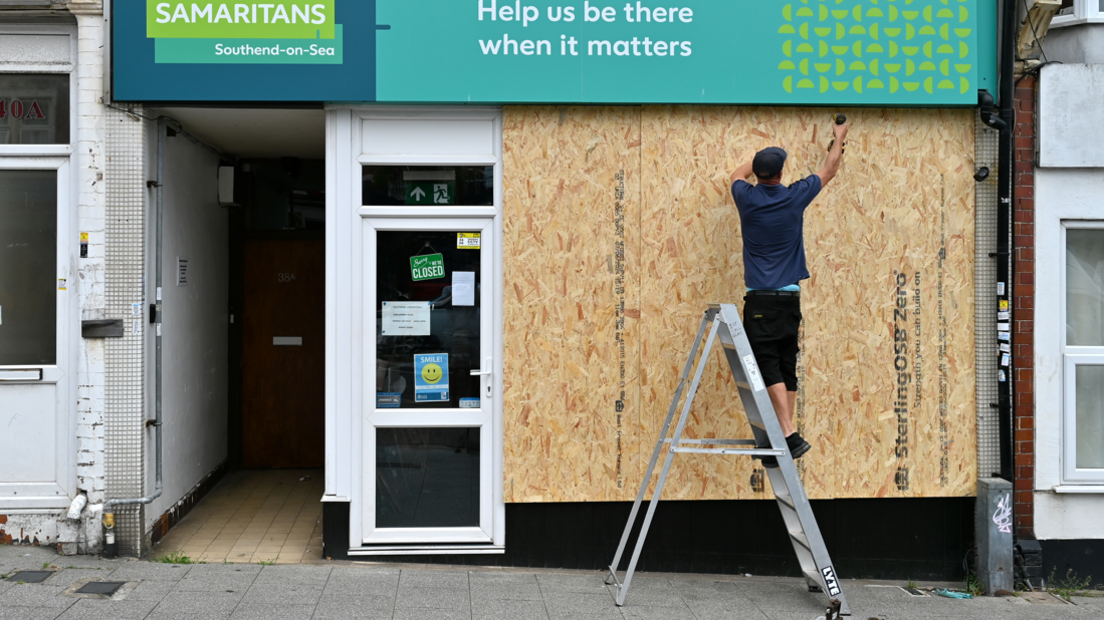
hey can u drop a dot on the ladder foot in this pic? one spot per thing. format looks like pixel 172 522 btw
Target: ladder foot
pixel 816 589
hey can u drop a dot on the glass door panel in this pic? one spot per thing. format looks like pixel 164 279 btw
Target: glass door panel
pixel 28 267
pixel 427 470
pixel 427 477
pixel 428 320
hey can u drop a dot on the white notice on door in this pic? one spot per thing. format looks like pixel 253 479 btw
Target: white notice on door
pixel 463 288
pixel 405 318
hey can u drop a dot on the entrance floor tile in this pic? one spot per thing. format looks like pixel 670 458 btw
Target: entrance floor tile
pixel 253 516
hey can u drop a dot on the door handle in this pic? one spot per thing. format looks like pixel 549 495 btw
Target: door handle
pixel 487 389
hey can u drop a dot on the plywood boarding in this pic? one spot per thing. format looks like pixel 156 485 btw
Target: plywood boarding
pixel 887 396
pixel 572 302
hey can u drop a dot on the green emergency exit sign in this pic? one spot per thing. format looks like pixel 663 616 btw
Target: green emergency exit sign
pixel 430 193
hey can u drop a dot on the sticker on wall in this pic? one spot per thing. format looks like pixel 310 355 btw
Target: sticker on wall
pixel 405 318
pixel 427 267
pixel 1003 327
pixel 1001 376
pixel 431 378
pixel 463 288
pixel 1005 336
pixel 1004 315
pixel 181 271
pixel 84 245
pixel 1000 288
pixel 1006 359
pixel 388 400
pixel 136 309
pixel 1005 347
pixel 469 403
pixel 62 284
pixel 1004 304
pixel 467 241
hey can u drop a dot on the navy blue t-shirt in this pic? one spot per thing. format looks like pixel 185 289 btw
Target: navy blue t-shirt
pixel 772 218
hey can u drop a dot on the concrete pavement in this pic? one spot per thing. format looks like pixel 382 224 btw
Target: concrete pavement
pixel 347 590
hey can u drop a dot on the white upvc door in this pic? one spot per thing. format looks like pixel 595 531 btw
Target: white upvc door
pixel 430 388
pixel 37 317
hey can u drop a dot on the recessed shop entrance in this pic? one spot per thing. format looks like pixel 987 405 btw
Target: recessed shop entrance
pixel 280 290
pixel 255 260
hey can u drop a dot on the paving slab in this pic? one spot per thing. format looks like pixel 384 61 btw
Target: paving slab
pixel 91 609
pixel 663 613
pixel 579 603
pixel 362 581
pixel 433 579
pixel 521 591
pixel 266 611
pixel 432 598
pixel 303 575
pixel 150 590
pixel 190 604
pixel 35 595
pixel 351 608
pixel 203 578
pixel 150 571
pixel 432 614
pixel 291 594
pixel 592 583
pixel 29 613
pixel 67 577
pixel 495 609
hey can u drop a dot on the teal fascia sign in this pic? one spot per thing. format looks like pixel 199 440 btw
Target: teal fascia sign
pixel 799 52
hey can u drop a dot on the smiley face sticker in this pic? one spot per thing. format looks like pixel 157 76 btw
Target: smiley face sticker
pixel 431 377
pixel 431 373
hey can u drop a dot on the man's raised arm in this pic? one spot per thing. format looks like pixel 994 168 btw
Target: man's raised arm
pixel 741 173
pixel 835 155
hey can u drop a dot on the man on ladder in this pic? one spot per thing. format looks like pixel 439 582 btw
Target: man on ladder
pixel 772 218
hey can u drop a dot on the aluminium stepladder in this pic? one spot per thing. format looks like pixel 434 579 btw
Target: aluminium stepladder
pixel 788 489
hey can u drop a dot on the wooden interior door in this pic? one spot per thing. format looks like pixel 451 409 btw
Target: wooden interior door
pixel 283 353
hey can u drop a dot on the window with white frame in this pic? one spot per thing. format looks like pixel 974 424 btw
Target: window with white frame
pixel 1079 12
pixel 1083 353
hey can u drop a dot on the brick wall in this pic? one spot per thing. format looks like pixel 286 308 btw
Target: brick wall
pixel 1023 303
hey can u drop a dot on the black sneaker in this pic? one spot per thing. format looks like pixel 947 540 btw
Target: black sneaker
pixel 798 446
pixel 770 462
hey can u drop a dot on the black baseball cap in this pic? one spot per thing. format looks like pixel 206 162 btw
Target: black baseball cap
pixel 768 162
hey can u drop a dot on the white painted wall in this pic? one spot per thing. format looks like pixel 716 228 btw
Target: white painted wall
pixel 195 323
pixel 1071 118
pixel 1061 194
pixel 1075 43
pixel 91 214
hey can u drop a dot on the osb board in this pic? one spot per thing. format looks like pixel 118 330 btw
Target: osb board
pixel 903 199
pixel 572 302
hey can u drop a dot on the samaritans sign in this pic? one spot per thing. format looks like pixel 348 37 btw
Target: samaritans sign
pixel 802 52
pixel 277 32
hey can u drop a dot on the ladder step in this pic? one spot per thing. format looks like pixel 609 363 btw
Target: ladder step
pixel 817 579
pixel 746 451
pixel 799 538
pixel 712 442
pixel 786 501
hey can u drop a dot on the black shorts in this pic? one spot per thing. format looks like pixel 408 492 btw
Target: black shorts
pixel 772 324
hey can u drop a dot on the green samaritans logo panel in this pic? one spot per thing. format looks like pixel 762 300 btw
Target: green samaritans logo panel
pixel 894 46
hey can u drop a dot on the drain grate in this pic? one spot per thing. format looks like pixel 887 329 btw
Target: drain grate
pixel 107 588
pixel 31 576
